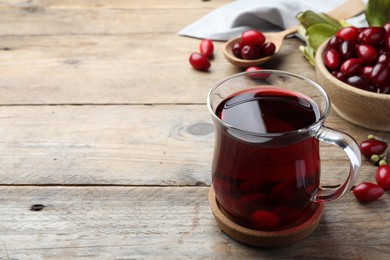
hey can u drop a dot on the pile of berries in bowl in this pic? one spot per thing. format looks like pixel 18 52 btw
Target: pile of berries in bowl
pixel 353 67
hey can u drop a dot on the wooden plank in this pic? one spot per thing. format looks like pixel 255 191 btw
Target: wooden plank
pixel 142 145
pixel 111 69
pixel 116 70
pixel 104 124
pixel 113 4
pixel 99 17
pixel 131 145
pixel 174 223
pixel 59 22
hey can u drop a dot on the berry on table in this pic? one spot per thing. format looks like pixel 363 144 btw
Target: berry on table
pixel 382 176
pixel 255 75
pixel 199 61
pixel 368 191
pixel 252 68
pixel 206 47
pixel 375 149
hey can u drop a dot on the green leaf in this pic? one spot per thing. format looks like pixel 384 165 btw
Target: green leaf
pixel 330 20
pixel 314 29
pixel 319 33
pixel 309 53
pixel 309 18
pixel 378 12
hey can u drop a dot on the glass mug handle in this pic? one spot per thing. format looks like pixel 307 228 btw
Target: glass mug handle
pixel 351 148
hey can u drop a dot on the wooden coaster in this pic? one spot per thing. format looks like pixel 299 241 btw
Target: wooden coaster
pixel 264 238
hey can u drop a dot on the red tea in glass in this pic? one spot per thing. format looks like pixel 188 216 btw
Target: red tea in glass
pixel 266 165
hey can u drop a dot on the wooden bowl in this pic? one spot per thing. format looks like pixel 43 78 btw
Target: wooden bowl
pixel 360 107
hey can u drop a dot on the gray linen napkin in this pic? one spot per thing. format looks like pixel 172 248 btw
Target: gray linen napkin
pixel 232 19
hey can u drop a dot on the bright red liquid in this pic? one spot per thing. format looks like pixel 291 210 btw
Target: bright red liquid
pixel 266 184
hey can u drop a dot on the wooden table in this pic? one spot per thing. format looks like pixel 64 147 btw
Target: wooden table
pixel 106 141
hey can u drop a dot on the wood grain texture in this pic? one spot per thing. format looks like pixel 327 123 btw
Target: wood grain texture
pixel 115 70
pixel 106 141
pixel 137 145
pixel 111 4
pixel 168 223
pixel 48 63
pixel 132 145
pixel 99 17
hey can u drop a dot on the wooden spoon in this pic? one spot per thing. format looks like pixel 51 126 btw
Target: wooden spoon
pixel 346 10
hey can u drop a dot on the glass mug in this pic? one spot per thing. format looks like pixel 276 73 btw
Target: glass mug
pixel 266 164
